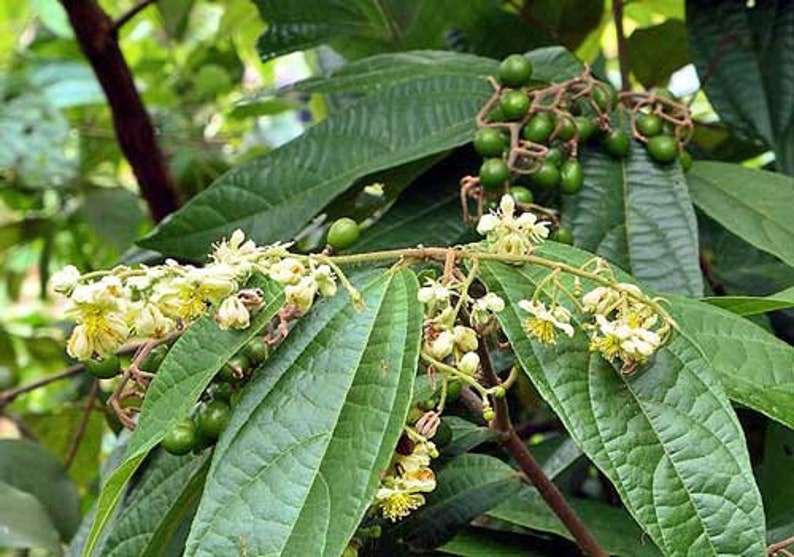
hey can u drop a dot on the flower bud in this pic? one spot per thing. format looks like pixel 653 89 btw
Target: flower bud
pixel 287 271
pixel 151 323
pixel 301 295
pixel 326 282
pixel 64 281
pixel 442 346
pixel 469 363
pixel 465 338
pixel 232 314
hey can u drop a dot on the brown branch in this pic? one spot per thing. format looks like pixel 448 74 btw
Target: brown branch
pixel 7 397
pixel 127 16
pixel 96 35
pixel 502 421
pixel 623 45
pixel 83 426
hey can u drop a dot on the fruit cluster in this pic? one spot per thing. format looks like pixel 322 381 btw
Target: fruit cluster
pixel 527 130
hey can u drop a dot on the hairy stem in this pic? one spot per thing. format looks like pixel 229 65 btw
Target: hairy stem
pixel 96 35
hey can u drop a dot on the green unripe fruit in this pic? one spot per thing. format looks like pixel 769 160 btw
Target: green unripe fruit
pixel 9 377
pixel 427 405
pixel 686 161
pixel 499 392
pixel 257 351
pixel 566 129
pixel 571 177
pixel 662 148
pixel 343 233
pixel 586 128
pixel 443 435
pixel 649 125
pixel 668 128
pixel 514 104
pixel 151 363
pixel 539 128
pixel 605 97
pixel 490 142
pixel 493 174
pixel 213 417
pixel 547 176
pixel 234 370
pixel 617 143
pixel 521 194
pixel 222 391
pixel 453 390
pixel 563 236
pixel 496 114
pixel 488 415
pixel 105 368
pixel 181 438
pixel 515 71
pixel 555 156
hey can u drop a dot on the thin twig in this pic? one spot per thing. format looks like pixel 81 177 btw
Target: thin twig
pixel 780 546
pixel 127 16
pixel 7 397
pixel 623 45
pixel 81 429
pixel 502 421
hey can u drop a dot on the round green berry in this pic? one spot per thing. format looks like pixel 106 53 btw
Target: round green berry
pixel 343 233
pixel 490 142
pixel 539 128
pixel 663 148
pixel 515 71
pixel 514 104
pixel 547 176
pixel 686 161
pixel 521 194
pixel 494 173
pixel 605 96
pixel 566 129
pixel 586 127
pixel 213 417
pixel 555 156
pixel 571 177
pixel 105 368
pixel 649 125
pixel 256 350
pixel 496 114
pixel 563 236
pixel 617 143
pixel 181 438
pixel 221 391
pixel 151 363
pixel 234 370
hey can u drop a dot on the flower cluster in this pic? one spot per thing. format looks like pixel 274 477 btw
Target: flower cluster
pixel 620 322
pixel 625 328
pixel 408 477
pixel 507 234
pixel 152 302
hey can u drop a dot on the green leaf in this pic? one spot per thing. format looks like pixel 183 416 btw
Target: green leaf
pixel 467 486
pixel 163 501
pixel 26 466
pixel 465 436
pixel 428 214
pixel 776 479
pixel 115 215
pixel 24 523
pixel 553 64
pixel 638 215
pixel 615 530
pixel 476 542
pixel 747 54
pixel 753 204
pixel 665 437
pixel 288 482
pixel 175 15
pixel 186 371
pixel 752 305
pixel 755 367
pixel 658 51
pixel 273 196
pixel 372 74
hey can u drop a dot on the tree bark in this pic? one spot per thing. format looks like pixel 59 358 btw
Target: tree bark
pixel 97 36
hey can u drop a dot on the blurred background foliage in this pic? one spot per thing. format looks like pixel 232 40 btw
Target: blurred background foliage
pixel 216 87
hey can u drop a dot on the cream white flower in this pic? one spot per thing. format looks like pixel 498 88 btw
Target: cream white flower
pixel 545 322
pixel 232 314
pixel 287 271
pixel 600 300
pixel 510 235
pixel 301 295
pixel 483 308
pixel 442 345
pixel 64 280
pixel 469 363
pixel 465 338
pixel 97 335
pixel 433 292
pixel 326 281
pixel 150 322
